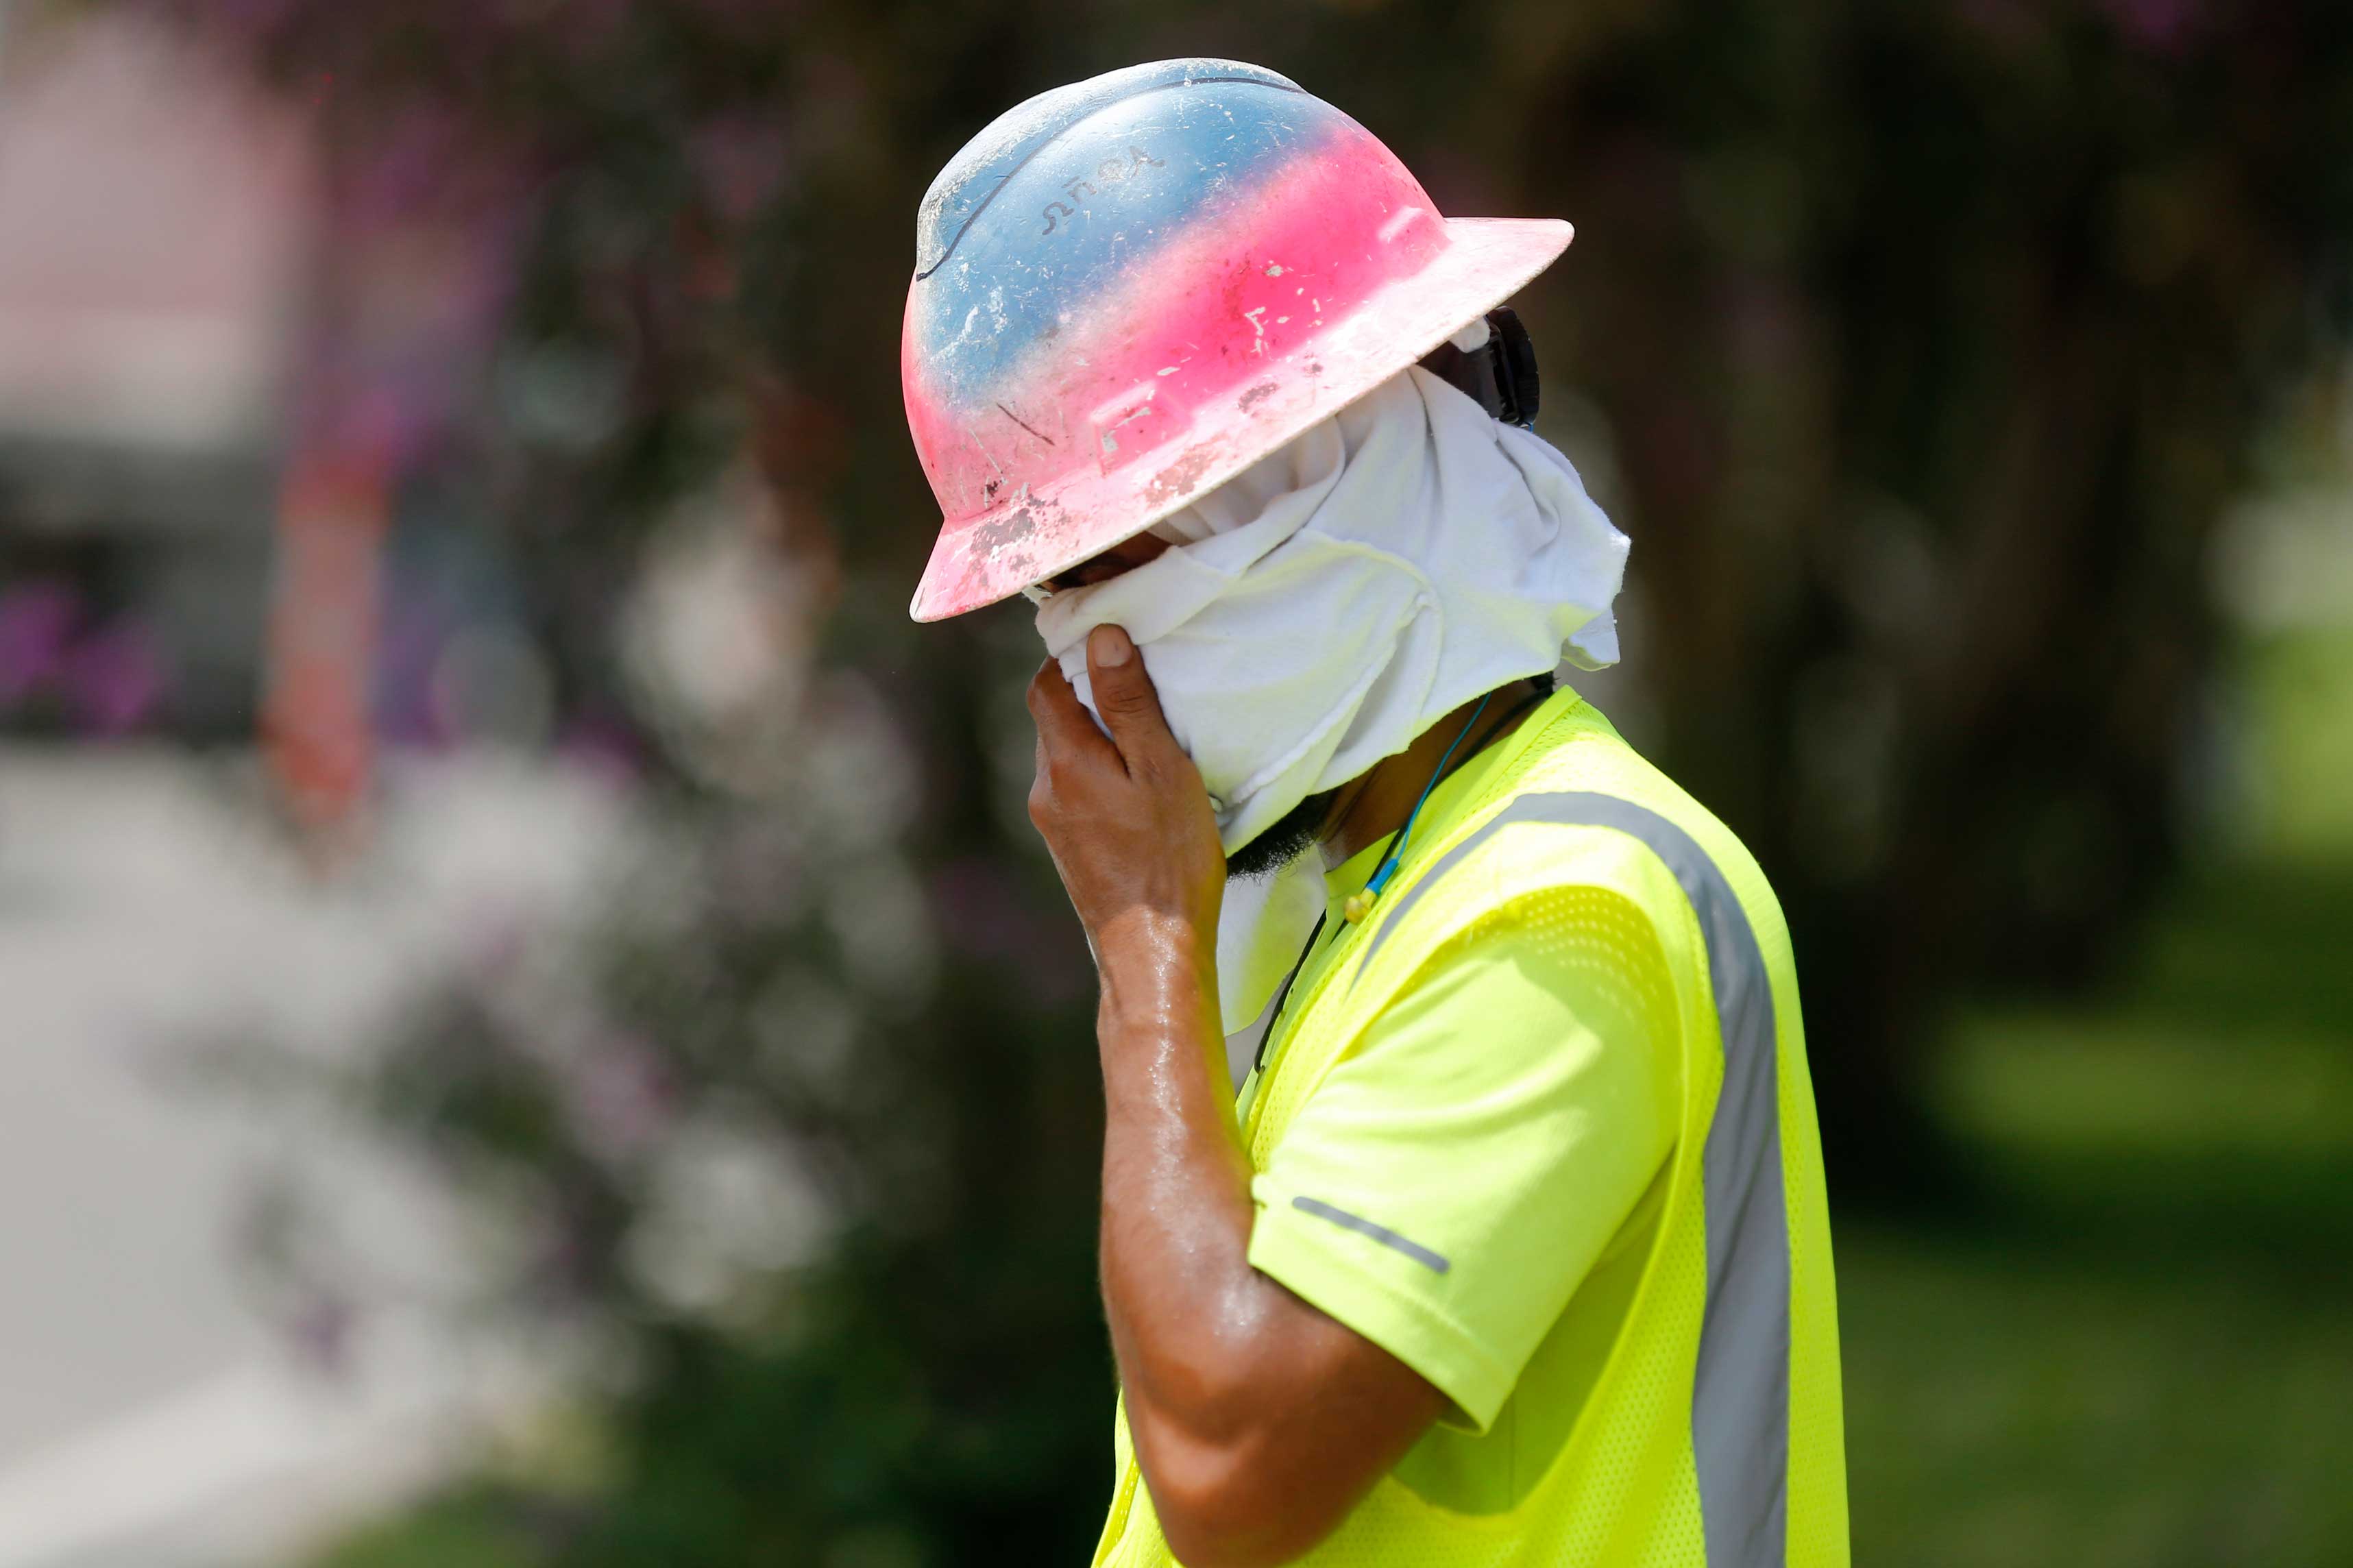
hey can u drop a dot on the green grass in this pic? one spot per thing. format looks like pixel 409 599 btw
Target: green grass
pixel 2139 1351
pixel 2011 1405
pixel 2299 701
pixel 466 1530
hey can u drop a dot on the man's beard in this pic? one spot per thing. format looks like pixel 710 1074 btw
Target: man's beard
pixel 1284 839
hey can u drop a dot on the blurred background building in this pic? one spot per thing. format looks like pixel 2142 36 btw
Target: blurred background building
pixel 159 243
pixel 157 217
pixel 536 1031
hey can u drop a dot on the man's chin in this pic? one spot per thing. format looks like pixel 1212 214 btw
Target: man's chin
pixel 1283 840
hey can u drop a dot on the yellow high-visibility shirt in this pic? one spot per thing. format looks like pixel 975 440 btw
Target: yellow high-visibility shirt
pixel 1539 1126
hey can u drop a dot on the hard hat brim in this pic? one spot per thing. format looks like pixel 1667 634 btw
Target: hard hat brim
pixel 1030 537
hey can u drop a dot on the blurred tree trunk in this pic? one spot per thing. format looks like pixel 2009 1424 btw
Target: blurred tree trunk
pixel 1936 340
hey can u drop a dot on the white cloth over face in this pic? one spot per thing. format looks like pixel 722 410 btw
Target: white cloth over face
pixel 1320 610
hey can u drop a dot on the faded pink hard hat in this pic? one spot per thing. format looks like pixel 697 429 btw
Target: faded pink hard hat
pixel 1129 290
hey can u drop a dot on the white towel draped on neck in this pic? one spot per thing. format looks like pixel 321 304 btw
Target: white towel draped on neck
pixel 1318 612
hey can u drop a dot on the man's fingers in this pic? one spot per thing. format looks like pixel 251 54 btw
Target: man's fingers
pixel 1124 695
pixel 1064 726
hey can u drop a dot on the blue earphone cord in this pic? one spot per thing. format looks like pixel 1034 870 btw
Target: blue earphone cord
pixel 1388 867
pixel 1381 873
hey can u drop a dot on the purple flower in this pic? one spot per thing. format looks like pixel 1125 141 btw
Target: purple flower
pixel 35 621
pixel 114 679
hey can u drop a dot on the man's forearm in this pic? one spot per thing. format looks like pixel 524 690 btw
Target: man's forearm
pixel 1176 1200
pixel 1258 1420
pixel 1190 1318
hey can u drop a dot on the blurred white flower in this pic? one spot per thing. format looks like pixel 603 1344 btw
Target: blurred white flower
pixel 727 1210
pixel 877 910
pixel 717 636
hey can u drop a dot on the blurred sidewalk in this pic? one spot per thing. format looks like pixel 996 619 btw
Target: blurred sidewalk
pixel 147 909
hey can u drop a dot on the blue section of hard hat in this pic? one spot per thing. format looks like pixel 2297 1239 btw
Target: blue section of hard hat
pixel 973 177
pixel 1041 214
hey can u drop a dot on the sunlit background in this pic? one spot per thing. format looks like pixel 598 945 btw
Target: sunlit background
pixel 533 1029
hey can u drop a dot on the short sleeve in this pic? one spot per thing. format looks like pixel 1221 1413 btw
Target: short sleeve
pixel 1455 1176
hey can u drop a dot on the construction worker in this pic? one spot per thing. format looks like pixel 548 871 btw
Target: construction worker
pixel 1463 1197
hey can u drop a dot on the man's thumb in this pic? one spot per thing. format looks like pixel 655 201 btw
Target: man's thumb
pixel 1124 696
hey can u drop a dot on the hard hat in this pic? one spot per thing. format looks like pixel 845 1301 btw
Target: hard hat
pixel 1129 290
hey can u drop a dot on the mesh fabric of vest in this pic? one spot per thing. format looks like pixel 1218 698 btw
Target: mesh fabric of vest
pixel 1623 1489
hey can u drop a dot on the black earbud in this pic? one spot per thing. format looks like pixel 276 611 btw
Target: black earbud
pixel 1500 375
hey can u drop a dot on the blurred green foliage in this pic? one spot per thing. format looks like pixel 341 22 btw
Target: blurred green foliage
pixel 1921 349
pixel 2135 1353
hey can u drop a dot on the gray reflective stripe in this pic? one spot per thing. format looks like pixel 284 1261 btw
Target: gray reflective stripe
pixel 1740 1394
pixel 1379 1233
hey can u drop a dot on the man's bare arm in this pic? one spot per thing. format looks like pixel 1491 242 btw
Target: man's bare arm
pixel 1258 1420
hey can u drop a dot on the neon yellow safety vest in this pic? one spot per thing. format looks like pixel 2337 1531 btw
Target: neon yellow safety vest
pixel 1711 1434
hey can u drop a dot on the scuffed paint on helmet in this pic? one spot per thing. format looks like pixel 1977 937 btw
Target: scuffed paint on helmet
pixel 1129 289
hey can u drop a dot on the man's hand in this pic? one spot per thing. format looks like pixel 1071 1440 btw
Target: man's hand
pixel 1126 818
pixel 1259 1421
